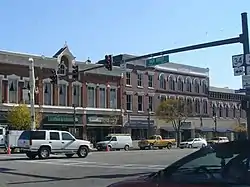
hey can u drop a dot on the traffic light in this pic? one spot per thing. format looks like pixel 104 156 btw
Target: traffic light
pixel 75 72
pixel 54 77
pixel 108 62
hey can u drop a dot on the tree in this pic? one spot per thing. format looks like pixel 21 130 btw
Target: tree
pixel 175 111
pixel 19 117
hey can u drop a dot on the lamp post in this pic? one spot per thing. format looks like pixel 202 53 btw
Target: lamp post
pixel 215 121
pixel 32 93
pixel 74 118
pixel 149 127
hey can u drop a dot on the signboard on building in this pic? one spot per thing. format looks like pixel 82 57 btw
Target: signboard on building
pixel 245 81
pixel 104 119
pixel 157 61
pixel 61 119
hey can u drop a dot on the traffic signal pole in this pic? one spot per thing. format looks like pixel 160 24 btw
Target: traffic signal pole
pixel 243 38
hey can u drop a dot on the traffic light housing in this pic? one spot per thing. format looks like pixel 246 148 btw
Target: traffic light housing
pixel 54 77
pixel 75 72
pixel 108 62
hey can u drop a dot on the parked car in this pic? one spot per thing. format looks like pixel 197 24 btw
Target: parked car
pixel 115 142
pixel 218 140
pixel 212 166
pixel 156 141
pixel 42 143
pixel 193 143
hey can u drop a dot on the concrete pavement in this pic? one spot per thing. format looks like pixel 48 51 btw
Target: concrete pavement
pixel 99 169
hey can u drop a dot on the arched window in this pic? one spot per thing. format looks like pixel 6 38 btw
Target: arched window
pixel 197 106
pixel 205 107
pixel 189 105
pixel 162 81
pixel 234 111
pixel 171 82
pixel 227 111
pixel 180 84
pixel 188 85
pixel 204 87
pixel 196 86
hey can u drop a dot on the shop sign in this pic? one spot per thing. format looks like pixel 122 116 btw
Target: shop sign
pixel 102 119
pixel 61 118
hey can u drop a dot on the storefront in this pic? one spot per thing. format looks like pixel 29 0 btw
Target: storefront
pixel 63 122
pixel 3 119
pixel 99 126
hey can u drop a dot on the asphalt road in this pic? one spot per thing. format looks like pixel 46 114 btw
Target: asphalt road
pixel 99 169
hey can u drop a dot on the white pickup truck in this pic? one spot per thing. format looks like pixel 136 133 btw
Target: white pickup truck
pixel 42 143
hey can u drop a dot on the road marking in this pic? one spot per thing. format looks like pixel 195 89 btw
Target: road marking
pixel 93 164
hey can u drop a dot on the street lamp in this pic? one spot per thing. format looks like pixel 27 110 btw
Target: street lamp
pixel 215 120
pixel 32 92
pixel 74 118
pixel 149 127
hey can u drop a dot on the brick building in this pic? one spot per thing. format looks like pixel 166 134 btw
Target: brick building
pixel 145 87
pixel 96 94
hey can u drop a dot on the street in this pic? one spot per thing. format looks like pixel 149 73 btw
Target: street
pixel 99 169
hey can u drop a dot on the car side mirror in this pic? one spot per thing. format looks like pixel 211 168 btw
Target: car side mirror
pixel 74 139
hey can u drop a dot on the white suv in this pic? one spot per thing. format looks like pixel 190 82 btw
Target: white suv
pixel 193 143
pixel 42 143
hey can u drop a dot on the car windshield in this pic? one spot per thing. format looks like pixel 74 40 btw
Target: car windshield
pixel 215 139
pixel 190 139
pixel 107 138
pixel 226 163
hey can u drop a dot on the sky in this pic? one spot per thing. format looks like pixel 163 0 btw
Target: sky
pixel 94 28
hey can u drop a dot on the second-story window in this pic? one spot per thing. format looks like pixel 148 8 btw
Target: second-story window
pixel 76 95
pixel 234 111
pixel 140 103
pixel 180 84
pixel 26 86
pixel 227 111
pixel 188 85
pixel 205 107
pixel 197 106
pixel 220 111
pixel 150 103
pixel 48 95
pixel 113 98
pixel 150 81
pixel 196 86
pixel 102 96
pixel 62 89
pixel 128 78
pixel 13 90
pixel 162 81
pixel 171 82
pixel 139 79
pixel 129 102
pixel 91 96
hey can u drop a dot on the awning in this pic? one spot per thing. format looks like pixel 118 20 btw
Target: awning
pixel 218 129
pixel 139 124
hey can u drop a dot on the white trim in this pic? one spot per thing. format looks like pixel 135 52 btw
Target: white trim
pixel 65 68
pixel 198 81
pixel 91 85
pixel 63 82
pixel 77 83
pixel 189 97
pixel 151 73
pixel 139 72
pixel 197 98
pixel 102 86
pixel 66 92
pixel 181 78
pixel 173 76
pixel 181 96
pixel 47 80
pixel 14 78
pixel 102 109
pixel 51 90
pixel 129 70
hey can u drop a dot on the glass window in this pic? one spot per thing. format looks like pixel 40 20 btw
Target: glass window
pixel 47 93
pixel 129 102
pixel 114 139
pixel 162 81
pixel 113 100
pixel 102 99
pixel 150 81
pixel 1 131
pixel 62 94
pixel 77 95
pixel 66 136
pixel 150 103
pixel 26 86
pixel 128 78
pixel 139 79
pixel 91 96
pixel 54 136
pixel 140 103
pixel 38 135
pixel 25 135
pixel 13 88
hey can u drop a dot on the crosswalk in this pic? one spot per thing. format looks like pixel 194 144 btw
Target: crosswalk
pixel 89 164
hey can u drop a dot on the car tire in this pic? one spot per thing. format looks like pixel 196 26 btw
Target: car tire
pixel 151 147
pixel 31 155
pixel 44 152
pixel 126 148
pixel 189 146
pixel 142 148
pixel 203 145
pixel 169 146
pixel 69 155
pixel 83 152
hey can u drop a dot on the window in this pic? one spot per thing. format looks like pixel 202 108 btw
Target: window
pixel 113 100
pixel 214 112
pixel 204 87
pixel 234 111
pixel 102 99
pixel 77 95
pixel 1 131
pixel 139 79
pixel 196 86
pixel 150 103
pixel 197 106
pixel 180 84
pixel 150 81
pixel 47 87
pixel 38 135
pixel 162 81
pixel 91 96
pixel 128 78
pixel 61 69
pixel 140 103
pixel 171 83
pixel 129 102
pixel 54 136
pixel 66 136
pixel 205 107
pixel 163 98
pixel 26 86
pixel 13 88
pixel 227 111
pixel 220 111
pixel 189 85
pixel 113 139
pixel 189 105
pixel 62 94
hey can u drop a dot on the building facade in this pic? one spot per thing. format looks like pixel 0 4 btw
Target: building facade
pixel 95 95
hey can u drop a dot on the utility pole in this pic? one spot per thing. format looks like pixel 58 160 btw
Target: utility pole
pixel 74 118
pixel 243 38
pixel 149 127
pixel 32 93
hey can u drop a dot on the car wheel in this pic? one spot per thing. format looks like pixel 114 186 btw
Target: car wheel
pixel 126 148
pixel 142 148
pixel 151 146
pixel 169 145
pixel 31 155
pixel 203 145
pixel 44 152
pixel 69 155
pixel 83 152
pixel 189 146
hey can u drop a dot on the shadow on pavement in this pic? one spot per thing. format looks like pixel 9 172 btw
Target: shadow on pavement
pixel 53 179
pixel 25 158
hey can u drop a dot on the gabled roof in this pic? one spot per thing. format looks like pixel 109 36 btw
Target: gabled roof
pixel 59 51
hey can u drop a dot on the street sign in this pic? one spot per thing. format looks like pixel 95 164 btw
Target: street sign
pixel 245 81
pixel 157 61
pixel 238 71
pixel 247 59
pixel 237 61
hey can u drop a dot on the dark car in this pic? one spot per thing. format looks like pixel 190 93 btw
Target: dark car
pixel 225 164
